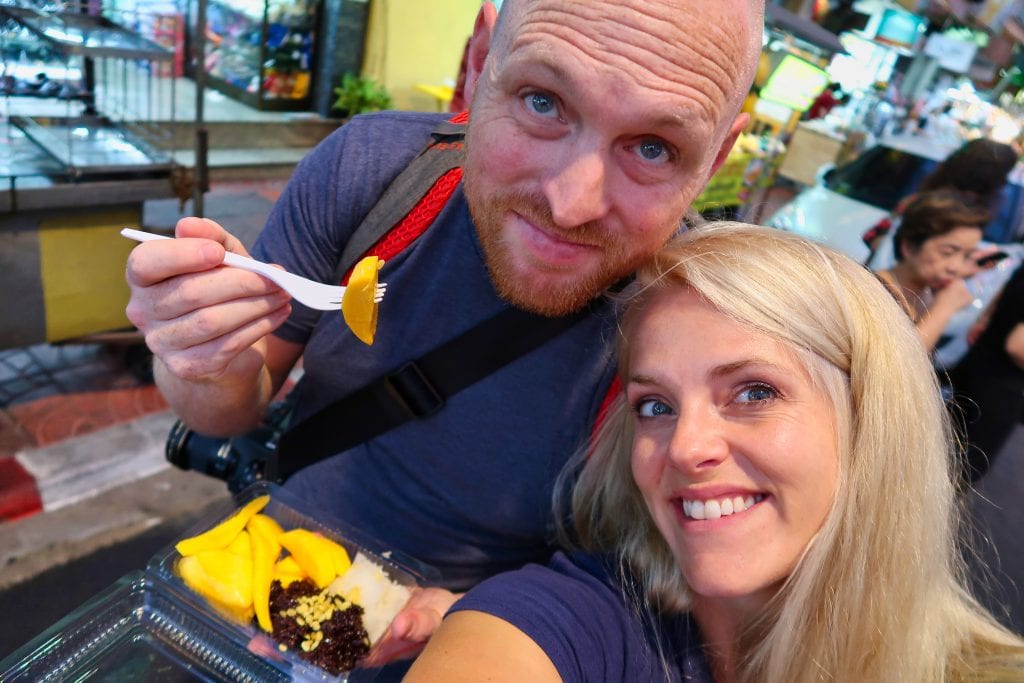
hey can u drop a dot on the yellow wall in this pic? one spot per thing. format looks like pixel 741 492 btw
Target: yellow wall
pixel 412 41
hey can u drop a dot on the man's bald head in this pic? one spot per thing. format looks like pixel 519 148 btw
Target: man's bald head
pixel 594 124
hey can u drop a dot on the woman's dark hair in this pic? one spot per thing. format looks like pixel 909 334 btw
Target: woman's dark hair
pixel 980 167
pixel 935 213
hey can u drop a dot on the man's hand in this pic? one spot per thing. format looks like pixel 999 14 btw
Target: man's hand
pixel 201 320
pixel 412 627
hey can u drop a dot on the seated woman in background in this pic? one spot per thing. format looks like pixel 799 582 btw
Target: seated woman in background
pixel 980 168
pixel 769 499
pixel 934 244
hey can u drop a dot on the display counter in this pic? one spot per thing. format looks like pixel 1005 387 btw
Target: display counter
pixel 750 165
pixel 70 182
pixel 811 146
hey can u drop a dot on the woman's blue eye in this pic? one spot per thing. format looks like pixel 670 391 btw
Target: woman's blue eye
pixel 757 393
pixel 540 103
pixel 652 407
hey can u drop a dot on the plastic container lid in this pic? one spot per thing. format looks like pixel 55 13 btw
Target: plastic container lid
pixel 136 630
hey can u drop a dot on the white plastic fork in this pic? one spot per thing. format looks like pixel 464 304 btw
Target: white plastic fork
pixel 313 294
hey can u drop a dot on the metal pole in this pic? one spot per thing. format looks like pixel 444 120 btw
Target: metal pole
pixel 201 180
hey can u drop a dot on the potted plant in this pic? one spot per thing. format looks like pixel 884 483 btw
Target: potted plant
pixel 359 94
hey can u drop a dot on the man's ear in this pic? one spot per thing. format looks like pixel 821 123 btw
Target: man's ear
pixel 479 45
pixel 723 152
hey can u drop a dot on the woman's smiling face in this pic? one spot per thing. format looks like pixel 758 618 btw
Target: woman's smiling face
pixel 735 448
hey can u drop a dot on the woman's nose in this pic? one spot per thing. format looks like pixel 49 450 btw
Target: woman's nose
pixel 699 442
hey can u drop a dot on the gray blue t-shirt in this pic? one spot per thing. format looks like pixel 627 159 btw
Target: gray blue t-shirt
pixel 468 489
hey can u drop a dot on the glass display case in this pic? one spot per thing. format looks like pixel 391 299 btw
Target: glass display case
pixel 261 52
pixel 100 71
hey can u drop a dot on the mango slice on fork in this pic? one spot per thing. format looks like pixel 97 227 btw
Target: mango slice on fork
pixel 359 304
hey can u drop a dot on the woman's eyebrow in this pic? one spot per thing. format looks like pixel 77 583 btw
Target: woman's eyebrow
pixel 736 366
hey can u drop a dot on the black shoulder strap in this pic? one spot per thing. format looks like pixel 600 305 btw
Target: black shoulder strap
pixel 420 387
pixel 444 152
pixel 417 389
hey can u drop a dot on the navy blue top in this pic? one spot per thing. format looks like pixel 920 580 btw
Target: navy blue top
pixel 468 489
pixel 578 612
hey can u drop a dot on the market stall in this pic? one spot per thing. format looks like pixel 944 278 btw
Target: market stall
pixel 82 158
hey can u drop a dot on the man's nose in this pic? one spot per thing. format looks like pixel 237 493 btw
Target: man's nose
pixel 577 189
pixel 699 442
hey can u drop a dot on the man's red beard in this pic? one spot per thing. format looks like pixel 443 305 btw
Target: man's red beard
pixel 560 293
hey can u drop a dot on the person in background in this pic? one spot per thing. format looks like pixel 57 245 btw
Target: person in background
pixel 593 125
pixel 989 381
pixel 980 167
pixel 772 503
pixel 934 244
pixel 825 102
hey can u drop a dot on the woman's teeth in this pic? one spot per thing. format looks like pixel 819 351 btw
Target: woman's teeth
pixel 721 507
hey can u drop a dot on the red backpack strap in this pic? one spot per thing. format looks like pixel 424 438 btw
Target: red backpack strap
pixel 614 389
pixel 416 221
pixel 412 201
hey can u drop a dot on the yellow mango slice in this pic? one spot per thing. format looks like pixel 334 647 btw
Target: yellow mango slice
pixel 358 304
pixel 223 578
pixel 241 545
pixel 287 570
pixel 265 550
pixel 315 558
pixel 221 535
pixel 339 556
pixel 264 524
pixel 230 574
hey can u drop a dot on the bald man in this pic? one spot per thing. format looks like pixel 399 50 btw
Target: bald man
pixel 593 125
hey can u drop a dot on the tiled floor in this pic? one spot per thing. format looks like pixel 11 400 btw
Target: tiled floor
pixel 52 393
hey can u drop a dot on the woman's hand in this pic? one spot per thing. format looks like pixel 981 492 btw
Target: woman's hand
pixel 412 627
pixel 953 296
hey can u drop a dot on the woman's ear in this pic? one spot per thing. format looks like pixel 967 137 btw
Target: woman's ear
pixel 479 45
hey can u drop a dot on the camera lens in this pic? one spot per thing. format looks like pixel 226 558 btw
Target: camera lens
pixel 174 449
pixel 191 451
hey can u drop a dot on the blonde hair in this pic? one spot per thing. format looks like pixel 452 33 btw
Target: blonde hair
pixel 878 594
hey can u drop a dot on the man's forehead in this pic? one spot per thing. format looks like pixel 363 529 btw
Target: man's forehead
pixel 671 13
pixel 727 32
pixel 690 49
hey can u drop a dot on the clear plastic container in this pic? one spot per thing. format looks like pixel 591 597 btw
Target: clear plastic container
pixel 288 511
pixel 139 629
pixel 150 626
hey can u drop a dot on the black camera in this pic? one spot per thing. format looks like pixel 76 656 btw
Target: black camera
pixel 240 460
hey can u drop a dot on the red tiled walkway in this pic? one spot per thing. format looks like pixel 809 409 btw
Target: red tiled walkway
pixel 55 418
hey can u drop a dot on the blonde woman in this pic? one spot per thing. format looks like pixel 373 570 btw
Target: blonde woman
pixel 770 498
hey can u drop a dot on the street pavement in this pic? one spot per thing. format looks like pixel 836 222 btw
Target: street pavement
pixel 55 561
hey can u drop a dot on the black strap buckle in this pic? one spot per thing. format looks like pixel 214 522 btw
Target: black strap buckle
pixel 413 391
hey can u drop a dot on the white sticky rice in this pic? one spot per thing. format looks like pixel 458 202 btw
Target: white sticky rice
pixel 367 585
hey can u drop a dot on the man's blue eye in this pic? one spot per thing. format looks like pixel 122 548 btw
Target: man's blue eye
pixel 652 407
pixel 540 103
pixel 652 150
